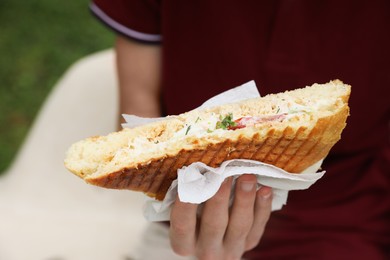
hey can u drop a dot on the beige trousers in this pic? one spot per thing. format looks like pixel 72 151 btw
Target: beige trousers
pixel 46 212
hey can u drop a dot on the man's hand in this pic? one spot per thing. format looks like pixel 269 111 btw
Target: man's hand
pixel 222 232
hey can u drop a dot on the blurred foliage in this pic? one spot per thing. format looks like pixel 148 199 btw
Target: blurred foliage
pixel 39 40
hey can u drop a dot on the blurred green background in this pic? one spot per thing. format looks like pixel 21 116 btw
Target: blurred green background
pixel 39 40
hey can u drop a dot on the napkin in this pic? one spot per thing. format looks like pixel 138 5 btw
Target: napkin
pixel 198 182
pixel 245 91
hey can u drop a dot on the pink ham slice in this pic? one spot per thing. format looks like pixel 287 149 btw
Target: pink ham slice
pixel 252 120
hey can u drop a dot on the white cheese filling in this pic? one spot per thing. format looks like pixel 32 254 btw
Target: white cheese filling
pixel 199 127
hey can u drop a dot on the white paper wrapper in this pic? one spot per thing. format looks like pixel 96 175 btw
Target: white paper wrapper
pixel 245 91
pixel 198 182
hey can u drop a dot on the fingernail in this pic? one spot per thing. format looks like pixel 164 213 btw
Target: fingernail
pixel 265 193
pixel 247 186
pixel 266 196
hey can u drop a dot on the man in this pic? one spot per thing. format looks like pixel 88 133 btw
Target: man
pixel 173 55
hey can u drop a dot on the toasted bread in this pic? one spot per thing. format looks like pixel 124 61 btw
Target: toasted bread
pixel 291 130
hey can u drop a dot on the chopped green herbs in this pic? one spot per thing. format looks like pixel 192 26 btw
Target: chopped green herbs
pixel 198 119
pixel 188 129
pixel 225 122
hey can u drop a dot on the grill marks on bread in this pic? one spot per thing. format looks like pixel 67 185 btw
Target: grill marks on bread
pixel 286 150
pixel 146 158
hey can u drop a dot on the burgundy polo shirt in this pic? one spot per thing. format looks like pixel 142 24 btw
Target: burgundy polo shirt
pixel 210 46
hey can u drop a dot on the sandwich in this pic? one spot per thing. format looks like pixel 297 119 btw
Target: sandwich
pixel 291 130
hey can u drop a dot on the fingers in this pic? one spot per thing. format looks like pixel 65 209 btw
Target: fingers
pixel 220 233
pixel 262 212
pixel 182 232
pixel 214 220
pixel 241 216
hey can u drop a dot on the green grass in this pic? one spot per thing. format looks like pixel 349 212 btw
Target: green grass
pixel 39 40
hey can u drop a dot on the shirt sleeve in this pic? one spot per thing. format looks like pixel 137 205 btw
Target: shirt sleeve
pixel 136 19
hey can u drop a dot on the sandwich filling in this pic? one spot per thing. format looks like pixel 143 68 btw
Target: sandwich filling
pixel 253 120
pixel 216 124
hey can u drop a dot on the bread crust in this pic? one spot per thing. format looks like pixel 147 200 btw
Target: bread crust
pixel 291 148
